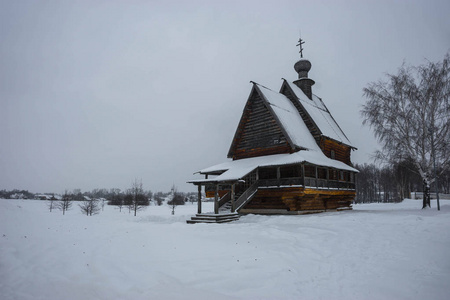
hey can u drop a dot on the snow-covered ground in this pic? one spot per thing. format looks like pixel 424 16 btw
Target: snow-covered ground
pixel 376 251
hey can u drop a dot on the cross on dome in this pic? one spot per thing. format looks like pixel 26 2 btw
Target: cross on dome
pixel 300 43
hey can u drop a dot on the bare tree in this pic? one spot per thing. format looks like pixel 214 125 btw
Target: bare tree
pixel 65 203
pixel 77 195
pixel 90 206
pixel 149 196
pixel 128 200
pixel 136 197
pixel 177 199
pixel 409 114
pixel 51 202
pixel 158 198
pixel 119 199
pixel 116 198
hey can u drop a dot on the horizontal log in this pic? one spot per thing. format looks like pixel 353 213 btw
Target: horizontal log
pixel 300 199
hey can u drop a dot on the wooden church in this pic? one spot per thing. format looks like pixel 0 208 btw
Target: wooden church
pixel 288 156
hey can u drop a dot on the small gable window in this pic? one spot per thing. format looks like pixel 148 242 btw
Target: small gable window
pixel 332 154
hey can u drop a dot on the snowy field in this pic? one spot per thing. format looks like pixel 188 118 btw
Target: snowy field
pixel 376 251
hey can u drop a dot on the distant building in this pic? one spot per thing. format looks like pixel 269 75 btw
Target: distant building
pixel 288 155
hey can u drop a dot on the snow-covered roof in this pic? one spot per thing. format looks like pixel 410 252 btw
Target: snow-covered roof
pixel 320 115
pixel 289 118
pixel 237 169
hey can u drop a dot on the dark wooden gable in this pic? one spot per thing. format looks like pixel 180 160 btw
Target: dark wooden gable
pixel 335 150
pixel 258 133
pixel 312 127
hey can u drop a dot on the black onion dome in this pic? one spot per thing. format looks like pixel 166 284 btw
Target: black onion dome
pixel 302 67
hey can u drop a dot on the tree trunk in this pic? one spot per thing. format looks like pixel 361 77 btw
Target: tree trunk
pixel 426 194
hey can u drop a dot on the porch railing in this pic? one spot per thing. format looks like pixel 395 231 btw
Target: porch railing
pixel 247 195
pixel 328 184
pixel 225 199
pixel 280 182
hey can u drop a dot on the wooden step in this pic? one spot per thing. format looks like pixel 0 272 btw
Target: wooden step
pixel 213 218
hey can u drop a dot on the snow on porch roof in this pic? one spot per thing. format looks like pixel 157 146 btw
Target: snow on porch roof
pixel 320 115
pixel 237 169
pixel 289 118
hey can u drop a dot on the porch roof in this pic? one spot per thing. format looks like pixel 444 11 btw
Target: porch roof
pixel 235 170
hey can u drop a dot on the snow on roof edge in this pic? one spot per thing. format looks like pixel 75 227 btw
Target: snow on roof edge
pixel 237 169
pixel 321 115
pixel 290 119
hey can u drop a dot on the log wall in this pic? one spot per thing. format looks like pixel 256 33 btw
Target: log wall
pixel 298 199
pixel 342 152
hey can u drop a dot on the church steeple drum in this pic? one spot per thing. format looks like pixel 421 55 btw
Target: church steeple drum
pixel 302 68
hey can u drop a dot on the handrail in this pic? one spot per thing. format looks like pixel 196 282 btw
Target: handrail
pixel 247 195
pixel 225 199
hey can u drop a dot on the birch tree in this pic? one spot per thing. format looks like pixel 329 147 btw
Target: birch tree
pixel 409 114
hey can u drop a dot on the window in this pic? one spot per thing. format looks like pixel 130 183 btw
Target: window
pixel 332 154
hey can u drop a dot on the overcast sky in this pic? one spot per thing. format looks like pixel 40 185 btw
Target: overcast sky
pixel 95 94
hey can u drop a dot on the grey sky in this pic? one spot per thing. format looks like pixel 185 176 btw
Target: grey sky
pixel 96 93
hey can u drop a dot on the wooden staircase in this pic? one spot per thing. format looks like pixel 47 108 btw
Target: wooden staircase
pixel 226 207
pixel 213 218
pixel 225 215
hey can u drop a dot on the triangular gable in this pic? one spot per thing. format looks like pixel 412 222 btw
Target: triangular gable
pixel 258 132
pixel 289 119
pixel 315 114
pixel 270 124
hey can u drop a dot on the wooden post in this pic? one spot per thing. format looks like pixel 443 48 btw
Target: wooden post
pixel 317 178
pixel 278 176
pixel 216 200
pixel 199 200
pixel 303 175
pixel 232 198
pixel 328 177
